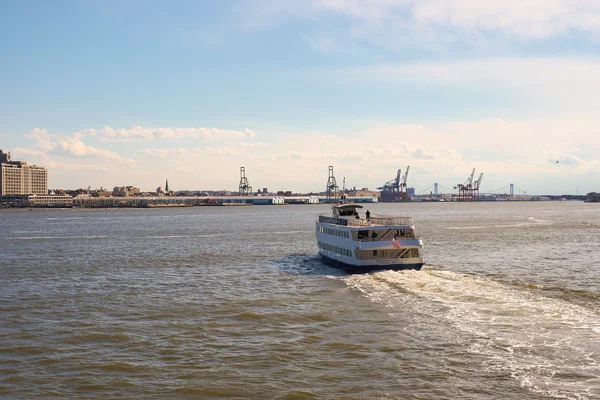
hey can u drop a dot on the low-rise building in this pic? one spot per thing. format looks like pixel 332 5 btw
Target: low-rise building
pixel 37 200
pixel 363 193
pixel 125 191
pixel 593 197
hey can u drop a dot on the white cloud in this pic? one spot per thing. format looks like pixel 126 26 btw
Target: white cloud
pixel 137 133
pixel 524 73
pixel 252 145
pixel 70 166
pixel 554 84
pixel 164 153
pixel 69 146
pixel 566 159
pixel 532 19
pixel 42 139
pixel 182 169
pixel 519 152
pixel 18 153
pixel 75 147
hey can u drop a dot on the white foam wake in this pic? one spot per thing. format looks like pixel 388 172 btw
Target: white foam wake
pixel 549 345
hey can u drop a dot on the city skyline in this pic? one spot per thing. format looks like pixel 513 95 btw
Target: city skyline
pixel 108 94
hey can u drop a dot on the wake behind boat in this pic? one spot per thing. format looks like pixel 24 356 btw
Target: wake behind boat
pixel 363 242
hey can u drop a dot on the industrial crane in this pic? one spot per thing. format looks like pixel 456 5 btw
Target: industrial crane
pixel 469 190
pixel 477 183
pixel 403 182
pixel 244 189
pixel 332 189
pixel 395 189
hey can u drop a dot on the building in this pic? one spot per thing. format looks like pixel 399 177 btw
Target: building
pixel 125 191
pixel 4 157
pixel 37 200
pixel 593 197
pixel 362 193
pixel 20 178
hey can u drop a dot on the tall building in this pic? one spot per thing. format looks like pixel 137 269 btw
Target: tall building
pixel 20 178
pixel 4 157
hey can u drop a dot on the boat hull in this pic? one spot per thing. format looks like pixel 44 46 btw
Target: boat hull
pixel 364 269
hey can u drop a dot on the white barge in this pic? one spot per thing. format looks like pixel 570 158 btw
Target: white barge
pixel 362 242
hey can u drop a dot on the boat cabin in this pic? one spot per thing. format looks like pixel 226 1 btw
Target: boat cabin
pixel 346 210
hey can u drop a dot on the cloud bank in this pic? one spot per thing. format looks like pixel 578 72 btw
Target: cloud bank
pixel 140 133
pixel 533 19
pixel 523 153
pixel 72 146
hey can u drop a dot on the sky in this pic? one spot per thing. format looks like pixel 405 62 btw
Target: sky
pixel 113 93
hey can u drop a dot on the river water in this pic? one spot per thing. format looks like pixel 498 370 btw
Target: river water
pixel 231 302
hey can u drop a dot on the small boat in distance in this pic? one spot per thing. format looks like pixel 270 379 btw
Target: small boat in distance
pixel 364 242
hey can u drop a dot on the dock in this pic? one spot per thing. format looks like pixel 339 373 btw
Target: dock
pixel 195 201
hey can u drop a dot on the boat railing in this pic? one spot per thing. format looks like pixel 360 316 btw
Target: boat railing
pixel 374 219
pixel 379 219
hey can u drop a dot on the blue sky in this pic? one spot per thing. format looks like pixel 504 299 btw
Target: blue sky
pixel 117 93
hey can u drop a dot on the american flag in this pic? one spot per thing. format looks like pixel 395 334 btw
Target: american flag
pixel 396 244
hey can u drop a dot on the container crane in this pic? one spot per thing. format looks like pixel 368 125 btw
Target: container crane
pixel 403 189
pixel 244 189
pixel 469 190
pixel 332 189
pixel 395 189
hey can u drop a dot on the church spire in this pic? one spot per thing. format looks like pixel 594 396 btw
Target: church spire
pixel 167 185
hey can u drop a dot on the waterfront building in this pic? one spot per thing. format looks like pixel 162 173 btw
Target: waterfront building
pixel 363 193
pixel 37 200
pixel 125 191
pixel 593 197
pixel 20 178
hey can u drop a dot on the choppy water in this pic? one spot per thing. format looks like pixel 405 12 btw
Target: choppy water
pixel 221 302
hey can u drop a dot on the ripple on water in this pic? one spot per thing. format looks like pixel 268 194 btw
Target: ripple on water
pixel 514 327
pixel 230 302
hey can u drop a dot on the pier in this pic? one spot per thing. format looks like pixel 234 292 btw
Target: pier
pixel 192 201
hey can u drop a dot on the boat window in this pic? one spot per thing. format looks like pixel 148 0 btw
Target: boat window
pixel 375 252
pixel 362 235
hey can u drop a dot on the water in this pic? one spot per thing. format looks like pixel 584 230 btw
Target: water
pixel 231 302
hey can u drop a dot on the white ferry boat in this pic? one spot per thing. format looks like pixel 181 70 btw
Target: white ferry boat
pixel 364 242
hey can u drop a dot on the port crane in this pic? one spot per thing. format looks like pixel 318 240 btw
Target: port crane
pixel 469 190
pixel 395 189
pixel 245 189
pixel 332 189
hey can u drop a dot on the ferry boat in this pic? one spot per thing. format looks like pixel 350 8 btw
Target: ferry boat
pixel 362 242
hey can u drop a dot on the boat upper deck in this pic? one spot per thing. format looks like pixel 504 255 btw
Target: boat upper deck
pixel 351 215
pixel 374 220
